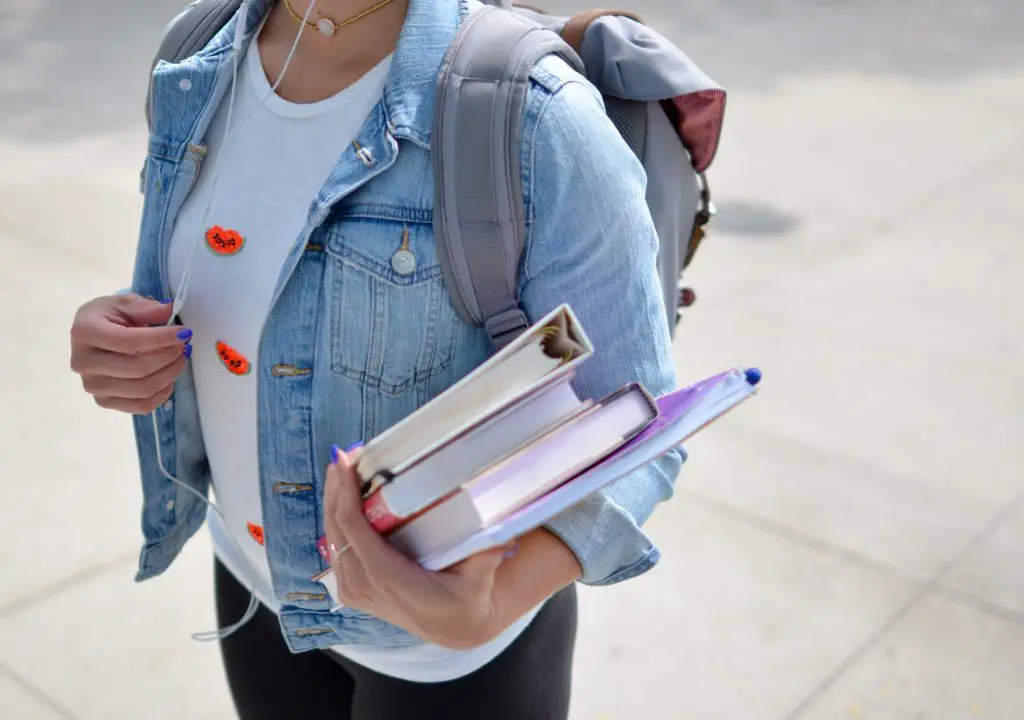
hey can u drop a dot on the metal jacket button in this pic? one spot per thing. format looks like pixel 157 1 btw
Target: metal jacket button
pixel 403 261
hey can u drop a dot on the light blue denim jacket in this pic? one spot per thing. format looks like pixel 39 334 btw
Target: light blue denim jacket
pixel 351 347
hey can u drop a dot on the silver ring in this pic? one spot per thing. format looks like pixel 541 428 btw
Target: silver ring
pixel 337 552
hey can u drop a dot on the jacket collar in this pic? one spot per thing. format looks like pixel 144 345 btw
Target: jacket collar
pixel 410 95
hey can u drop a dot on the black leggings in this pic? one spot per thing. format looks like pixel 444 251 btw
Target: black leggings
pixel 530 680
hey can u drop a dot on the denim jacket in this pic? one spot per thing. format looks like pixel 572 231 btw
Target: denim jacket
pixel 351 346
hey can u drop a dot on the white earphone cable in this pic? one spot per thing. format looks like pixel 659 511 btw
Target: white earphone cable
pixel 182 290
pixel 186 276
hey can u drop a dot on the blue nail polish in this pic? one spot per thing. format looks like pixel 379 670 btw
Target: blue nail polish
pixel 335 454
pixel 168 301
pixel 185 335
pixel 187 352
pixel 355 446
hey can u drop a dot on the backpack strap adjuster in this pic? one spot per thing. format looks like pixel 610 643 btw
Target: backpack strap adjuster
pixel 506 326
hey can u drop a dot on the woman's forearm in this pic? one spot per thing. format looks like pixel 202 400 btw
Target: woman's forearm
pixel 541 567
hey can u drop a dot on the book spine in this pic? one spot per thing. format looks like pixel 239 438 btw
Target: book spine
pixel 379 515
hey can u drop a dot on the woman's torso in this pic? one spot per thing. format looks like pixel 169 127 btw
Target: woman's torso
pixel 342 343
pixel 354 341
pixel 233 234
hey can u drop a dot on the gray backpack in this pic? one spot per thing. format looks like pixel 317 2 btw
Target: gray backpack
pixel 667 110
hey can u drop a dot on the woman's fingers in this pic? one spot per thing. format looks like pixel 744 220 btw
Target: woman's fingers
pixel 123 324
pixel 344 507
pixel 137 340
pixel 353 586
pixel 332 527
pixel 350 574
pixel 97 362
pixel 127 355
pixel 142 406
pixel 369 572
pixel 137 388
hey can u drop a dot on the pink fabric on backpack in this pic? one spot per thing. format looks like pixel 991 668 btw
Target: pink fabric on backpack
pixel 700 124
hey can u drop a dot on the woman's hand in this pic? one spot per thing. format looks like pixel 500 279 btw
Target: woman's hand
pixel 455 608
pixel 125 362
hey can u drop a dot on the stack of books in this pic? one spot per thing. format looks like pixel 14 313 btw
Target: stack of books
pixel 511 445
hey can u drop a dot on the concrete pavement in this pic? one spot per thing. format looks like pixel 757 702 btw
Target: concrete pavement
pixel 849 545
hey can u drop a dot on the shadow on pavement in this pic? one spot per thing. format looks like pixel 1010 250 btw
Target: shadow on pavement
pixel 752 220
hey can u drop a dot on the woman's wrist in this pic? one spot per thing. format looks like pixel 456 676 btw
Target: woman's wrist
pixel 541 566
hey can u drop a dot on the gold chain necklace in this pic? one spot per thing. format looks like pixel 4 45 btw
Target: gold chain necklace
pixel 327 27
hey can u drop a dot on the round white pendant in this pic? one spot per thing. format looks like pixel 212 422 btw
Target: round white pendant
pixel 325 26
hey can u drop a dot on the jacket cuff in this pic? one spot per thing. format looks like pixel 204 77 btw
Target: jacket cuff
pixel 606 540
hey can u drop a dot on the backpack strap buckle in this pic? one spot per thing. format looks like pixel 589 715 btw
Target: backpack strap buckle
pixel 506 326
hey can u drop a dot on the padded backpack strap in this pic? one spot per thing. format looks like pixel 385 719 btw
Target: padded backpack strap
pixel 189 32
pixel 479 217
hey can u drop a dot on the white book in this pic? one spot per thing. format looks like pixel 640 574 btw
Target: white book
pixel 551 348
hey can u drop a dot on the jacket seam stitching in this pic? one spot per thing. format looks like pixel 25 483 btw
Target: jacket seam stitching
pixel 527 276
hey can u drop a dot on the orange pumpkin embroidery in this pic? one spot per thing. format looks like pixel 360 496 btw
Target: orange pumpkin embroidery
pixel 224 241
pixel 256 532
pixel 233 360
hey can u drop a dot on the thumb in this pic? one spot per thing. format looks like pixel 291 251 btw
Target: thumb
pixel 136 311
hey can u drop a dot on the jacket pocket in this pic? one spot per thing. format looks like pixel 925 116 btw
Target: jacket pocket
pixel 393 326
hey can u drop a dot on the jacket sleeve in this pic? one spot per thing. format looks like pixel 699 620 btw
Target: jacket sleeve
pixel 592 244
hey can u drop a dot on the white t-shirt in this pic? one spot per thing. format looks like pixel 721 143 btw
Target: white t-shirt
pixel 278 157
